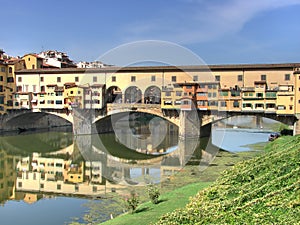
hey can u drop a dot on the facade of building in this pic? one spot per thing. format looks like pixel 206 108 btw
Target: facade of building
pixel 56 59
pixel 267 88
pixel 8 66
pixel 89 65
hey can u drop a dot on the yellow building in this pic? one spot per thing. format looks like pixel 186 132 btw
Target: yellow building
pixel 33 61
pixel 8 82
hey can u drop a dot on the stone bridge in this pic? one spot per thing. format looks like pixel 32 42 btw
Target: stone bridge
pixel 83 120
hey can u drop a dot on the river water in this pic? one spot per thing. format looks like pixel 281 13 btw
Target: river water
pixel 48 177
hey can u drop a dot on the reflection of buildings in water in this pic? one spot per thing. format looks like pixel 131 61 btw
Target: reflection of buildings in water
pixel 7 176
pixel 56 175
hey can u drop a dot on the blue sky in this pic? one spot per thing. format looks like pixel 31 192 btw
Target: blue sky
pixel 218 31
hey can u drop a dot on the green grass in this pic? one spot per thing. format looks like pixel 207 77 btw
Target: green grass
pixel 148 213
pixel 263 190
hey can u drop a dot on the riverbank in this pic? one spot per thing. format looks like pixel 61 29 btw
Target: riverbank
pixel 189 177
pixel 263 190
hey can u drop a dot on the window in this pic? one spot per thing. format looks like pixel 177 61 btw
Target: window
pixel 247 105
pixel 94 79
pixel 33 67
pixel 1 99
pixel 213 103
pixel 58 187
pixel 2 69
pixel 19 79
pixel 263 77
pixel 34 88
pixel 26 87
pixel 42 88
pixel 178 93
pixel 201 103
pixel 42 186
pixel 287 77
pixel 1 88
pixel 291 107
pixel 240 77
pixel 223 93
pixel 94 188
pixel 259 95
pixel 168 93
pixel 281 107
pixel 42 79
pixel 217 78
pixel 223 104
pixel 173 78
pixel 58 79
pixel 167 102
pixel 236 104
pixel 50 101
pixel 113 79
pixel 259 105
pixel 188 87
pixel 10 80
pixel 153 78
pixel 20 184
pixel 10 70
pixel 58 102
pixel 1 78
pixel 195 78
pixel 270 106
pixel 203 94
pixel 76 79
pixel 186 102
pixel 133 78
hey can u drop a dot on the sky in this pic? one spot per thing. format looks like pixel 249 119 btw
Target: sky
pixel 217 31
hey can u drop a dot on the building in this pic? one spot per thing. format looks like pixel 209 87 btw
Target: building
pixel 8 66
pixel 53 58
pixel 33 61
pixel 94 64
pixel 265 88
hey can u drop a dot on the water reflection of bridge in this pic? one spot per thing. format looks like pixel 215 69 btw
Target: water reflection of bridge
pixel 85 166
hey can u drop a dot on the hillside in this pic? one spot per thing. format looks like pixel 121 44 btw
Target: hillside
pixel 263 190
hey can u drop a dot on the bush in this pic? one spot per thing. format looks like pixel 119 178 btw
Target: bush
pixel 153 193
pixel 132 202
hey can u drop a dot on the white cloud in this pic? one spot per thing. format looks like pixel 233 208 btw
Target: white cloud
pixel 200 21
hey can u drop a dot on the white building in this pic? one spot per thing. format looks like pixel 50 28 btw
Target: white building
pixel 56 59
pixel 94 64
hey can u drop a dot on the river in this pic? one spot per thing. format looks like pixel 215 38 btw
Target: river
pixel 50 177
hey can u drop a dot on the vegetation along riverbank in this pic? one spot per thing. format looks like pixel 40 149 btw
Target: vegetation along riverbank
pixel 261 190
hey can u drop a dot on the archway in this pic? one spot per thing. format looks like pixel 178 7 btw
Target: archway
pixel 133 95
pixel 113 95
pixel 152 95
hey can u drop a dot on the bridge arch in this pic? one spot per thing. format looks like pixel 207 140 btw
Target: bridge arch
pixel 133 94
pixel 152 95
pixel 36 120
pixel 256 118
pixel 113 94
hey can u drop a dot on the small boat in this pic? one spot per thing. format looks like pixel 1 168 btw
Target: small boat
pixel 274 136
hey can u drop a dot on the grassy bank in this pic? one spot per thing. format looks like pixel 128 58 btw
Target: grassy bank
pixel 177 190
pixel 148 213
pixel 263 190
